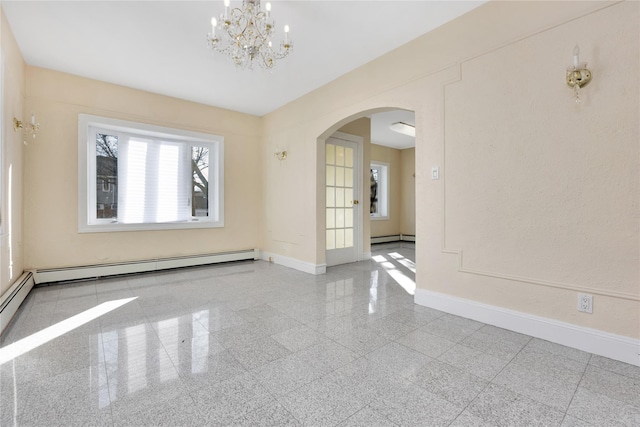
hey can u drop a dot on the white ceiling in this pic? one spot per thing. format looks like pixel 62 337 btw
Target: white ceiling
pixel 160 46
pixel 382 135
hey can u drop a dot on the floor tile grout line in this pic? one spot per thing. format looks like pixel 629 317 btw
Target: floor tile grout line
pixel 362 409
pixel 623 402
pixel 275 398
pixel 566 412
pixel 612 371
pixel 490 382
pixel 324 376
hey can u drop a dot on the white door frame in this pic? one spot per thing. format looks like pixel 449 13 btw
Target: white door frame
pixel 358 213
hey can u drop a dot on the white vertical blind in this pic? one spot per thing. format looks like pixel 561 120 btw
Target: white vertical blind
pixel 154 181
pixel 173 198
pixel 132 172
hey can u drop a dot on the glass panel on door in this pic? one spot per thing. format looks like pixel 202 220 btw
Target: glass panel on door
pixel 340 192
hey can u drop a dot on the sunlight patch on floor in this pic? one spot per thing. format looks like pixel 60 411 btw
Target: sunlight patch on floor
pixel 27 344
pixel 408 284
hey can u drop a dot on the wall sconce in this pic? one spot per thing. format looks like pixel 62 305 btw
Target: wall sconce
pixel 578 75
pixel 280 155
pixel 31 129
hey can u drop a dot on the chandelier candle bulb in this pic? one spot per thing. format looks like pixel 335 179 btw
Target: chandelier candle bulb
pixel 578 75
pixel 33 119
pixel 268 9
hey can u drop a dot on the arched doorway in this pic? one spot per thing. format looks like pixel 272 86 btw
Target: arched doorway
pixel 380 196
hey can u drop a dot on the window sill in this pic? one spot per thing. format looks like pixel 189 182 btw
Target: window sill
pixel 108 228
pixel 379 218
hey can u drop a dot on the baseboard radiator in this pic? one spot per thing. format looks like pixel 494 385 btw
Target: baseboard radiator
pixel 53 275
pixel 393 238
pixel 11 300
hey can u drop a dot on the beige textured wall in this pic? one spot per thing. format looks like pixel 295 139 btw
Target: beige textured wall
pixel 542 189
pixel 391 225
pixel 542 196
pixel 408 191
pixel 51 179
pixel 11 241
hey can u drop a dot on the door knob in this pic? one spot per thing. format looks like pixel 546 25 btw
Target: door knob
pixel 355 202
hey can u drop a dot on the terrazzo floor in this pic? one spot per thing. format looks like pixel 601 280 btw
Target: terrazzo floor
pixel 256 344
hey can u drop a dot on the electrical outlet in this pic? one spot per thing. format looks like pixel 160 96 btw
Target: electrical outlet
pixel 585 303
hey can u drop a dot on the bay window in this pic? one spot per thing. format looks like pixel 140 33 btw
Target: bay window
pixel 134 176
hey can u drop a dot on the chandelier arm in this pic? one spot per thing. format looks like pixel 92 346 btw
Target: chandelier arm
pixel 265 62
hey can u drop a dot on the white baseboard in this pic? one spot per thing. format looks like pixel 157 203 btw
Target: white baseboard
pixel 605 344
pixel 385 239
pixel 393 238
pixel 11 300
pixel 366 256
pixel 294 263
pixel 102 270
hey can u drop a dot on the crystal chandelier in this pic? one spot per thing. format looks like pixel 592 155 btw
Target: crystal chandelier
pixel 245 35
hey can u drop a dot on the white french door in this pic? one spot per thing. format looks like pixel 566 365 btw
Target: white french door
pixel 342 206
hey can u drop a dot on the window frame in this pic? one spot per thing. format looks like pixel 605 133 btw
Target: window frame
pixel 383 190
pixel 87 183
pixel 3 133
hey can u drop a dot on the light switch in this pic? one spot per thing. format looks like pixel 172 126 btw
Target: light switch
pixel 435 172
